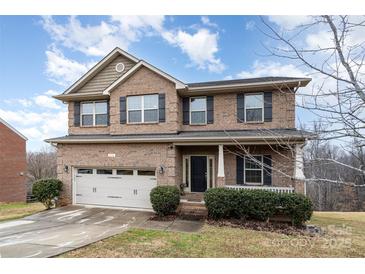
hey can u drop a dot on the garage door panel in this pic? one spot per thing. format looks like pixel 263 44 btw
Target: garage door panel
pixel 114 190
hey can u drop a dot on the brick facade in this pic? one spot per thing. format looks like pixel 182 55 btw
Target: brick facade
pixel 13 165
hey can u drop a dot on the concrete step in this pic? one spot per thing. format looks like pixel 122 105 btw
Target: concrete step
pixel 192 211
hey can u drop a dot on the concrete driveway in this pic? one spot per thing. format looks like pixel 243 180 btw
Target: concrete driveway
pixel 53 232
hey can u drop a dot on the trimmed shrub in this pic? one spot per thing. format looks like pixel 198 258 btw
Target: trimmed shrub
pixel 257 205
pixel 47 190
pixel 165 199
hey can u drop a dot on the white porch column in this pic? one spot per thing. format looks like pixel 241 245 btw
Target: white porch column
pixel 299 178
pixel 220 175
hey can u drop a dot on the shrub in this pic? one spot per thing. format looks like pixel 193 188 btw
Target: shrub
pixel 165 199
pixel 257 205
pixel 46 190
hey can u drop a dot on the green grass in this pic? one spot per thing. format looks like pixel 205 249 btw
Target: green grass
pixel 11 211
pixel 215 241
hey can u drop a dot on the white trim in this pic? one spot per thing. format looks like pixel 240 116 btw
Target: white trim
pixel 301 81
pixel 188 157
pixel 119 70
pixel 12 128
pixel 262 107
pixel 143 109
pixel 205 110
pixel 262 170
pixel 99 65
pixel 298 169
pixel 186 139
pixel 179 84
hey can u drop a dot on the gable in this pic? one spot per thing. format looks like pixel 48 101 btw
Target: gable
pixel 106 76
pixel 5 127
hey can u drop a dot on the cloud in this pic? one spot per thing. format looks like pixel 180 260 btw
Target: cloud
pixel 201 47
pixel 290 22
pixel 62 70
pixel 250 25
pixel 97 40
pixel 46 102
pixel 51 92
pixel 270 68
pixel 23 102
pixel 206 21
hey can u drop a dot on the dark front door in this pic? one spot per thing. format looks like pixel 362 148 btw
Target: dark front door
pixel 198 173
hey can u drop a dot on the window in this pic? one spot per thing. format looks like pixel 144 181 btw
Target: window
pixel 124 172
pixel 254 170
pixel 198 110
pixel 146 173
pixel 94 114
pixel 104 171
pixel 254 107
pixel 84 171
pixel 142 109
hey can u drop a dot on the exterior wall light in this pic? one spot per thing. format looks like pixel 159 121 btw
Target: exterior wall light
pixel 161 170
pixel 65 168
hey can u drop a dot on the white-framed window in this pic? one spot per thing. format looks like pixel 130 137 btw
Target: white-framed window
pixel 142 109
pixel 254 170
pixel 198 110
pixel 94 113
pixel 254 107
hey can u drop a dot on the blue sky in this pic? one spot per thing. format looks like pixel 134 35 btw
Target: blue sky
pixel 41 56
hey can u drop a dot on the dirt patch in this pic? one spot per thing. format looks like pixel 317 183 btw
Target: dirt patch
pixel 167 218
pixel 282 228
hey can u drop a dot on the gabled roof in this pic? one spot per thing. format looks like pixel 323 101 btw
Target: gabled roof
pixel 121 79
pixel 98 67
pixel 12 128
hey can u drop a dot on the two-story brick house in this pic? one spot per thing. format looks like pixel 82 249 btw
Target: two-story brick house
pixel 133 126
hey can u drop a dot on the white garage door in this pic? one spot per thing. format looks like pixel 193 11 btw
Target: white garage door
pixel 114 187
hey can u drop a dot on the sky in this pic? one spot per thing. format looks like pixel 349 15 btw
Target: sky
pixel 42 56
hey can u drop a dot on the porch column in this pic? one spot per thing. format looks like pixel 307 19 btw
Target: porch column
pixel 220 177
pixel 299 178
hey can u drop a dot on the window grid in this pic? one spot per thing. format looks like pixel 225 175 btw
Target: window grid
pixel 198 110
pixel 93 112
pixel 254 108
pixel 261 169
pixel 142 109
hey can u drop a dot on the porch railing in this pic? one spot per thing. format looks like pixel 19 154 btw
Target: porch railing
pixel 269 188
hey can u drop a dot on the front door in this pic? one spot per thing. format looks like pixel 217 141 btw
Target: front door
pixel 198 173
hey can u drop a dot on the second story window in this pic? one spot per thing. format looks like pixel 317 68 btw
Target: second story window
pixel 198 110
pixel 94 114
pixel 142 109
pixel 254 107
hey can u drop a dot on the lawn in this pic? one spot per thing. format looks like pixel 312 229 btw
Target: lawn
pixel 10 211
pixel 344 237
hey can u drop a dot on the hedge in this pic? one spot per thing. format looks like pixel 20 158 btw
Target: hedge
pixel 257 205
pixel 165 199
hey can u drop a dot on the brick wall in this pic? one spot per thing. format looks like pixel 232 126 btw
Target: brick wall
pixel 126 155
pixel 12 163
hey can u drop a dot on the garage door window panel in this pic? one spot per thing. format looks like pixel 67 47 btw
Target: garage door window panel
pixel 146 173
pixel 104 171
pixel 125 172
pixel 84 171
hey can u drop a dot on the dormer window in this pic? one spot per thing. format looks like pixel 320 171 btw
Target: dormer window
pixel 94 113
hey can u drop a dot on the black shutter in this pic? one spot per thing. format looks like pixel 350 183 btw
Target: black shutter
pixel 108 113
pixel 161 108
pixel 239 170
pixel 76 114
pixel 123 110
pixel 268 106
pixel 210 109
pixel 267 170
pixel 186 110
pixel 240 108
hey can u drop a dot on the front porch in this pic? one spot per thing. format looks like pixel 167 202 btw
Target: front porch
pixel 274 168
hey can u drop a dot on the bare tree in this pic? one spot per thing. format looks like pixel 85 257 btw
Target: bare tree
pixel 42 164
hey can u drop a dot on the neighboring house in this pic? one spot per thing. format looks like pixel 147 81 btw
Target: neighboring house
pixel 13 164
pixel 133 126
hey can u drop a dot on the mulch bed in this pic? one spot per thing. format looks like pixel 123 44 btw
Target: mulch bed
pixel 167 218
pixel 282 228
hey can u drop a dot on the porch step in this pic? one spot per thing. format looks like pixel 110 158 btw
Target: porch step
pixel 192 211
pixel 193 197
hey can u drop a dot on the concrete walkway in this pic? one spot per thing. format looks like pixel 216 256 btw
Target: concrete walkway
pixel 56 231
